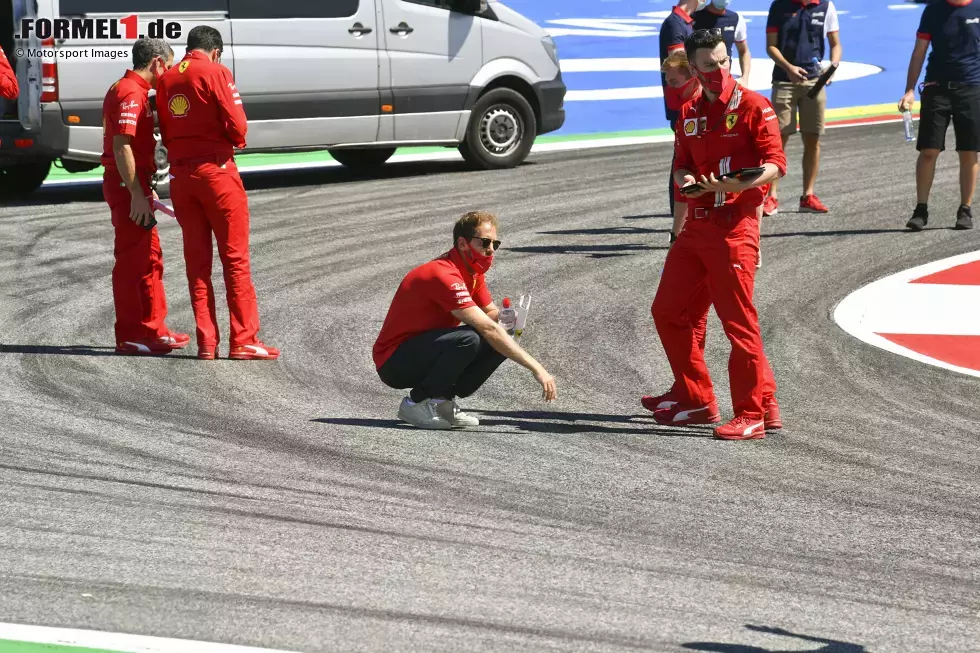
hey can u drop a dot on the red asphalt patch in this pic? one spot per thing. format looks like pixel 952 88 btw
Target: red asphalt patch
pixel 967 274
pixel 961 351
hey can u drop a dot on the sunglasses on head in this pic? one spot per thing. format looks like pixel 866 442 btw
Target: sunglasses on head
pixel 714 31
pixel 487 242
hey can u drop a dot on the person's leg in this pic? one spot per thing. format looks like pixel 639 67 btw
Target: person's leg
pixel 811 162
pixel 925 172
pixel 783 103
pixel 812 114
pixel 432 363
pixel 480 370
pixel 966 124
pixel 934 118
pixel 198 258
pixel 968 177
pixel 131 244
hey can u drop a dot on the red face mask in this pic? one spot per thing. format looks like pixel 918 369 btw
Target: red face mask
pixel 480 261
pixel 716 80
pixel 676 97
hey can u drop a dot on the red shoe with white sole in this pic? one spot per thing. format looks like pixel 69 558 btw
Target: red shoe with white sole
pixel 742 428
pixel 770 206
pixel 811 204
pixel 207 352
pixel 678 415
pixel 772 420
pixel 142 348
pixel 174 340
pixel 254 352
pixel 660 402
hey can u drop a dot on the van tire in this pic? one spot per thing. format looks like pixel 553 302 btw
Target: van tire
pixel 18 181
pixel 501 132
pixel 362 160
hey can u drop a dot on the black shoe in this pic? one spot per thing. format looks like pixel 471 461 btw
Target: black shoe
pixel 919 218
pixel 964 218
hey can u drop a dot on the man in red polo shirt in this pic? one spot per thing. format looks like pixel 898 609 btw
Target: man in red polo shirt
pixel 127 157
pixel 9 88
pixel 424 346
pixel 727 128
pixel 202 122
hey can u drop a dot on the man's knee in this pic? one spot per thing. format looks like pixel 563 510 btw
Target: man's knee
pixel 929 155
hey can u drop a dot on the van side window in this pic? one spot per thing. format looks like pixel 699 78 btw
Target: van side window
pixel 293 9
pixel 80 7
pixel 441 4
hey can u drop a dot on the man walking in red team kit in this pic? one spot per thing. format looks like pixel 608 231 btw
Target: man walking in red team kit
pixel 9 88
pixel 127 157
pixel 202 122
pixel 727 129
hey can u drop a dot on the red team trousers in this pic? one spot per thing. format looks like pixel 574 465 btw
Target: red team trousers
pixel 209 198
pixel 717 251
pixel 137 276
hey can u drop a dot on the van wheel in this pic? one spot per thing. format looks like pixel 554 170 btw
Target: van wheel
pixel 18 181
pixel 363 160
pixel 501 132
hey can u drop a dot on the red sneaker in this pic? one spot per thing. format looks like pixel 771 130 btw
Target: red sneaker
pixel 174 340
pixel 207 352
pixel 678 415
pixel 142 348
pixel 654 404
pixel 254 352
pixel 770 206
pixel 811 204
pixel 772 420
pixel 742 428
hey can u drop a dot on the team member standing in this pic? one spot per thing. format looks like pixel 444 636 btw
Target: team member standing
pixel 9 88
pixel 727 129
pixel 795 34
pixel 717 15
pixel 127 157
pixel 951 91
pixel 676 27
pixel 202 122
pixel 422 344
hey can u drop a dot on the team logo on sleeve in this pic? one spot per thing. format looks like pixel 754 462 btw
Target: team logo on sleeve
pixel 178 105
pixel 730 120
pixel 183 66
pixel 691 126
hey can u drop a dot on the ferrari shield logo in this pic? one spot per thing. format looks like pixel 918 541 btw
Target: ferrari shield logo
pixel 690 126
pixel 730 120
pixel 183 66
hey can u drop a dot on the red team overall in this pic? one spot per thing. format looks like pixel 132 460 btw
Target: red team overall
pixel 9 88
pixel 202 121
pixel 728 128
pixel 127 156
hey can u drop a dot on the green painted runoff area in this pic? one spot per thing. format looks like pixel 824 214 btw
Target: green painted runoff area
pixel 8 646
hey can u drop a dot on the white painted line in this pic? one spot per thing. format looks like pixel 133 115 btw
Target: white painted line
pixel 906 6
pixel 117 641
pixel 868 310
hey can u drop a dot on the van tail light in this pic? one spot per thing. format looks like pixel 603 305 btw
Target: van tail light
pixel 49 73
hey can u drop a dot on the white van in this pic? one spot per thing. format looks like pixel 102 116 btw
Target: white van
pixel 355 77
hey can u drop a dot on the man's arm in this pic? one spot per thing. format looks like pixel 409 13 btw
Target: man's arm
pixel 492 311
pixel 831 28
pixel 764 128
pixel 122 152
pixel 9 88
pixel 796 74
pixel 495 335
pixel 744 55
pixel 230 108
pixel 915 69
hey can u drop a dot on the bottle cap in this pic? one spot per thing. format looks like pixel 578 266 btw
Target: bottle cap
pixel 506 302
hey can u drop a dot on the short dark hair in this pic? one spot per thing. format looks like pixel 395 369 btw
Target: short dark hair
pixel 702 39
pixel 204 37
pixel 467 225
pixel 144 50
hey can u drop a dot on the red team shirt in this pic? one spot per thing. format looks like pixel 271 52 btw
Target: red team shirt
pixel 126 111
pixel 200 110
pixel 425 300
pixel 9 88
pixel 740 130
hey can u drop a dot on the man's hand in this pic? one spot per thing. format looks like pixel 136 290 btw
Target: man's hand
pixel 907 101
pixel 796 74
pixel 140 211
pixel 547 384
pixel 729 185
pixel 688 180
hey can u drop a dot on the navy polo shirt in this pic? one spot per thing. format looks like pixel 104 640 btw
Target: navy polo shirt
pixel 674 31
pixel 801 26
pixel 731 24
pixel 954 32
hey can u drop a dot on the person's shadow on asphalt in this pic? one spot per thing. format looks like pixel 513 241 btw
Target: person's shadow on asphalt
pixel 830 645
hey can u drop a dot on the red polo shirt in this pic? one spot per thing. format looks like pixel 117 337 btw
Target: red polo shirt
pixel 126 111
pixel 425 300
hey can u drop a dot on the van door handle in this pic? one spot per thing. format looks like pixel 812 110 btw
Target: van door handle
pixel 358 29
pixel 402 29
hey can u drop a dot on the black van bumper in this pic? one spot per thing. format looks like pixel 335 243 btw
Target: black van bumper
pixel 551 99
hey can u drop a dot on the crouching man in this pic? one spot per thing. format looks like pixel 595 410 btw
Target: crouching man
pixel 441 337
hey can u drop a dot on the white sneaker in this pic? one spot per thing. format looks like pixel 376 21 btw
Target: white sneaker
pixel 450 411
pixel 422 415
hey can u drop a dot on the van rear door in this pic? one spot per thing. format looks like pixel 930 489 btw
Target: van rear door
pixel 28 69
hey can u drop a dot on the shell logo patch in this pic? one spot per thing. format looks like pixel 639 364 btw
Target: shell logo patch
pixel 690 126
pixel 730 120
pixel 178 105
pixel 183 66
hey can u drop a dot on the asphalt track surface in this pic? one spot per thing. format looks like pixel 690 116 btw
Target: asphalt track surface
pixel 281 504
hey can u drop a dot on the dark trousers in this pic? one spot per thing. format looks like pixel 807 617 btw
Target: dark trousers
pixel 445 364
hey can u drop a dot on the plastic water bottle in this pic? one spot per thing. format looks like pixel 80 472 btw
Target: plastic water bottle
pixel 909 127
pixel 508 317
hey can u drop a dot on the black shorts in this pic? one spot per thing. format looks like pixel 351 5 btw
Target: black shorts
pixel 941 104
